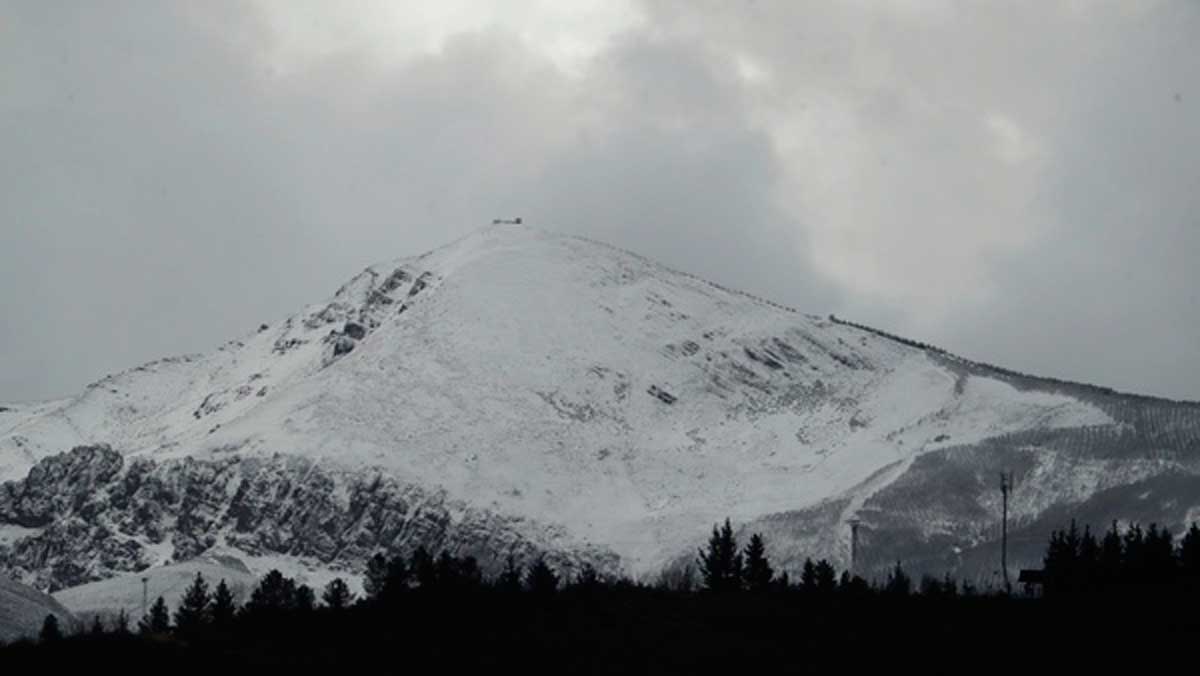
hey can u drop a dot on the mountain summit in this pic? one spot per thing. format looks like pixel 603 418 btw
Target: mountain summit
pixel 518 391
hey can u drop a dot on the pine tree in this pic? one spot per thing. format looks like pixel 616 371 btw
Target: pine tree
pixel 223 606
pixel 97 626
pixel 375 579
pixel 1189 552
pixel 396 578
pixel 808 577
pixel 1111 549
pixel 541 579
pixel 121 628
pixel 826 577
pixel 194 611
pixel 158 620
pixel 509 579
pixel 51 632
pixel 470 576
pixel 1088 567
pixel 274 593
pixel 337 595
pixel 1160 555
pixel 758 573
pixel 898 582
pixel 721 564
pixel 305 599
pixel 587 580
pixel 424 569
pixel 1133 560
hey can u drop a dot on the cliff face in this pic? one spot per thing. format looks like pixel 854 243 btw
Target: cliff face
pixel 88 515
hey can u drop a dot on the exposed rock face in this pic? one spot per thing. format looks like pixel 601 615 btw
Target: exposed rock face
pixel 92 516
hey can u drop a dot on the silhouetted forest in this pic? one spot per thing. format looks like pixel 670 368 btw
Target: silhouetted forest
pixel 1124 597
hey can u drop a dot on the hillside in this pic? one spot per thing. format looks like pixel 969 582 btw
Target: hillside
pixel 517 391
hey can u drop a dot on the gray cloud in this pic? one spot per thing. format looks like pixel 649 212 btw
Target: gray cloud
pixel 1012 181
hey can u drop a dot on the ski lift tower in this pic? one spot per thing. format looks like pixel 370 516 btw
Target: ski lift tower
pixel 854 545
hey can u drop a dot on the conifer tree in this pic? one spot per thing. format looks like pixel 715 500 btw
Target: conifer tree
pixel 541 580
pixel 51 632
pixel 337 595
pixel 305 599
pixel 121 628
pixel 274 593
pixel 587 580
pixel 898 582
pixel 395 578
pixel 1133 557
pixel 223 606
pixel 1189 552
pixel 424 569
pixel 375 579
pixel 509 579
pixel 1111 548
pixel 470 576
pixel 826 577
pixel 721 564
pixel 758 571
pixel 194 611
pixel 1160 561
pixel 808 577
pixel 97 626
pixel 158 620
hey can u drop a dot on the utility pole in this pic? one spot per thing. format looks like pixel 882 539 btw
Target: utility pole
pixel 854 545
pixel 1005 487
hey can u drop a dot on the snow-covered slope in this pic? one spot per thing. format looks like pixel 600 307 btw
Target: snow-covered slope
pixel 107 599
pixel 581 396
pixel 24 609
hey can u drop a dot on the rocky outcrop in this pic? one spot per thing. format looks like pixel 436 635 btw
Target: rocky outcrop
pixel 90 515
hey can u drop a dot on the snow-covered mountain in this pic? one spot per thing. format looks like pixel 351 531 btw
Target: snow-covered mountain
pixel 518 391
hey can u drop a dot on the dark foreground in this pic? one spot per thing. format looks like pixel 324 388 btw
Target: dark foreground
pixel 655 632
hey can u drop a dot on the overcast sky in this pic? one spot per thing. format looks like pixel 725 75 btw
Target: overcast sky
pixel 1016 182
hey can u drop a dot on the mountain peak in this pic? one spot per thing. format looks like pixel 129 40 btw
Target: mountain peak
pixel 576 393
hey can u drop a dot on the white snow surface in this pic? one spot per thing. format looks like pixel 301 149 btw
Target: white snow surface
pixel 107 598
pixel 530 373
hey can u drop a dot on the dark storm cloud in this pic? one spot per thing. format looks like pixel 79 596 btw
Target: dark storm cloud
pixel 1012 181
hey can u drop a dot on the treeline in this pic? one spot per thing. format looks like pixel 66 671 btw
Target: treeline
pixel 1135 561
pixel 443 610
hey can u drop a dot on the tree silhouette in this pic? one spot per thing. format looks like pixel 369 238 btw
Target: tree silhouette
pixel 826 577
pixel 509 579
pixel 194 611
pixel 1189 552
pixel 898 582
pixel 305 599
pixel 375 579
pixel 721 564
pixel 808 577
pixel 273 594
pixel 758 573
pixel 337 595
pixel 158 620
pixel 121 627
pixel 424 569
pixel 541 579
pixel 587 580
pixel 223 606
pixel 51 632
